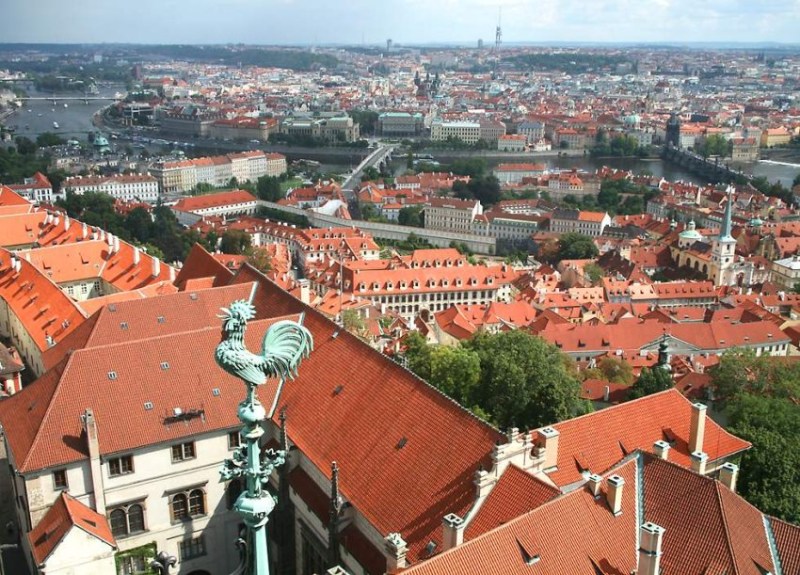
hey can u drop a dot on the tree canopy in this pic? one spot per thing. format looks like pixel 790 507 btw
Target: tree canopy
pixel 574 246
pixel 510 378
pixel 650 381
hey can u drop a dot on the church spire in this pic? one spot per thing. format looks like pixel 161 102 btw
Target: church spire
pixel 725 230
pixel 334 557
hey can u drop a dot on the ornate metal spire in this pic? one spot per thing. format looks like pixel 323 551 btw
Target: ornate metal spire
pixel 334 557
pixel 285 344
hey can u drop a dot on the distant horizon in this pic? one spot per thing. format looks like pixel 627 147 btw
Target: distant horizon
pixel 723 44
pixel 408 22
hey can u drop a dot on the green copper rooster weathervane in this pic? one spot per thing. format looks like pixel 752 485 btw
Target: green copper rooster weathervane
pixel 285 344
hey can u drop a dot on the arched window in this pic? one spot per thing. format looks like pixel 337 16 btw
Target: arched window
pixel 135 518
pixel 197 504
pixel 127 519
pixel 180 507
pixel 119 522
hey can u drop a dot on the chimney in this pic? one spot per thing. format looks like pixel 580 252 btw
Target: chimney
pixel 614 494
pixel 171 274
pixel 396 549
pixel 136 256
pixel 484 482
pixel 728 474
pixel 550 447
pixel 650 538
pixel 661 449
pixel 606 393
pixel 116 244
pixel 93 442
pixel 699 460
pixel 66 222
pixel 697 427
pixel 453 527
pixel 156 267
pixel 593 483
pixel 305 291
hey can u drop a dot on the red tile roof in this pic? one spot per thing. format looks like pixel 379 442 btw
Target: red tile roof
pixel 139 319
pixel 40 420
pixel 9 197
pixel 214 200
pixel 66 513
pixel 516 493
pixel 571 535
pixel 638 424
pixel 787 540
pixel 201 264
pixel 421 479
pixel 39 304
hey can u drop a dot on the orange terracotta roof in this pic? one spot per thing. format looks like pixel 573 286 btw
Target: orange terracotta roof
pixel 39 304
pixel 516 493
pixel 142 318
pixel 409 501
pixel 787 540
pixel 9 197
pixel 66 513
pixel 638 424
pixel 201 264
pixel 90 306
pixel 137 367
pixel 573 534
pixel 214 200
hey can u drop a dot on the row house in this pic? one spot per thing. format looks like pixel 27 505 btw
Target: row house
pixel 243 128
pixel 451 214
pixel 633 338
pixel 515 173
pixel 231 204
pixel 184 175
pixel 409 291
pixel 126 187
pixel 37 189
pixel 578 221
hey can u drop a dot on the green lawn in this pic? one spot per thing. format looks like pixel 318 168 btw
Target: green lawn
pixel 291 183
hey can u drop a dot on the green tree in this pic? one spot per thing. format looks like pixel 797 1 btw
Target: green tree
pixel 354 323
pixel 235 242
pixel 456 372
pixel 739 370
pixel 47 139
pixel 770 470
pixel 616 370
pixel 370 173
pixel 714 145
pixel 24 145
pixel 574 246
pixel 139 224
pixel 651 381
pixel 269 189
pixel 594 272
pixel 524 380
pixel 418 355
pixel 260 259
pixel 411 216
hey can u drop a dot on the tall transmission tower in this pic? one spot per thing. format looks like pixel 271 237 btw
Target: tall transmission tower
pixel 498 35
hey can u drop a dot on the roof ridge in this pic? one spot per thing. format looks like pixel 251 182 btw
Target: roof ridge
pixel 51 402
pixel 620 405
pixel 177 333
pixel 724 517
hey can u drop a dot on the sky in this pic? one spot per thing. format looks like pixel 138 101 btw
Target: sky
pixel 405 21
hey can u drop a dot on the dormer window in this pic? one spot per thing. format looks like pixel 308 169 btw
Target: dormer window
pixel 389 285
pixel 416 284
pixel 362 286
pixel 403 285
pixel 376 285
pixel 445 283
pixel 490 280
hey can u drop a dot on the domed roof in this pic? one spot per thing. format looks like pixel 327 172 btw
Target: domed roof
pixel 632 119
pixel 756 222
pixel 690 233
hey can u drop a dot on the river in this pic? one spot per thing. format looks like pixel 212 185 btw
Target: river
pixel 74 121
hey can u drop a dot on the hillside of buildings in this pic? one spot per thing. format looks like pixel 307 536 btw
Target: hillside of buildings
pixel 516 366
